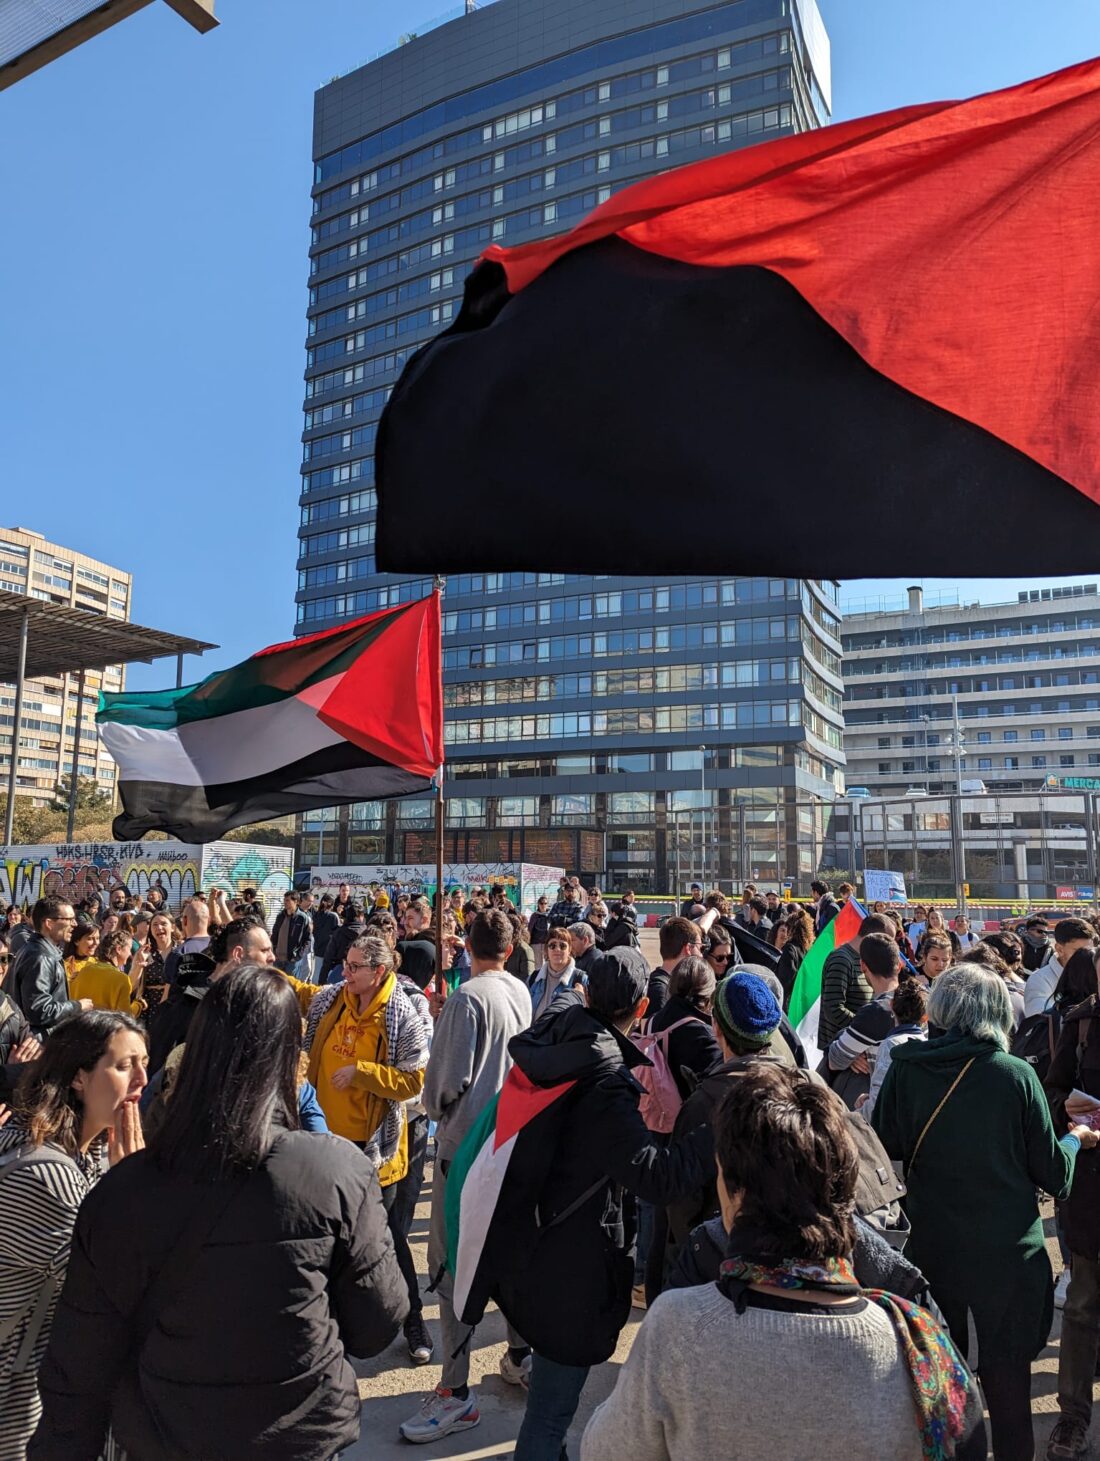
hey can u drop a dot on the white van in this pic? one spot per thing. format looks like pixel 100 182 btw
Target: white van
pixel 972 787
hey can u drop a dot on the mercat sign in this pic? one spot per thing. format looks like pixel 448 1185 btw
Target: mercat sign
pixel 1079 783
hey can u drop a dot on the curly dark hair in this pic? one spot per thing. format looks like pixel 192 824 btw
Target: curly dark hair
pixel 783 1146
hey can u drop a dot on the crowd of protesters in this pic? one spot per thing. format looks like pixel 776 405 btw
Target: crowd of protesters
pixel 216 1124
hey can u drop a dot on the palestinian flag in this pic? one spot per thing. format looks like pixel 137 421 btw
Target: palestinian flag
pixel 804 1006
pixel 499 1165
pixel 893 316
pixel 805 998
pixel 351 714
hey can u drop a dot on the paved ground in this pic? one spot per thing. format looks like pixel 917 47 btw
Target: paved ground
pixel 391 1388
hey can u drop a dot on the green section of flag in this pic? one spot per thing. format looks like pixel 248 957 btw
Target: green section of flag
pixel 807 987
pixel 481 1132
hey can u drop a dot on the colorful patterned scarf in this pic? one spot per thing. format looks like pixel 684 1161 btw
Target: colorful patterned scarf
pixel 939 1378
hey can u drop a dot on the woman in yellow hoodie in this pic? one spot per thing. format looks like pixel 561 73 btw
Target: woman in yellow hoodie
pixel 368 1050
pixel 103 979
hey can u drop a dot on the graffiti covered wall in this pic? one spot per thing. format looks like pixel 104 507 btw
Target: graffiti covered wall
pixel 80 870
pixel 524 882
pixel 234 866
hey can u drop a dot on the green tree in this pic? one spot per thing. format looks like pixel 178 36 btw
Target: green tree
pixel 90 796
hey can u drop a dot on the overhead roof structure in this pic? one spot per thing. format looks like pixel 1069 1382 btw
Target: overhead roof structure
pixel 61 639
pixel 35 32
pixel 40 639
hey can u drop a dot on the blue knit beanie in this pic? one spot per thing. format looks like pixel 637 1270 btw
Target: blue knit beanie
pixel 746 1010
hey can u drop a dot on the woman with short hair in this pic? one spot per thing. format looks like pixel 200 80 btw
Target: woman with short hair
pixel 787 1323
pixel 972 1126
pixel 75 1112
pixel 255 1259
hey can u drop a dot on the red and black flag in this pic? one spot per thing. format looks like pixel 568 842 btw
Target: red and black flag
pixel 879 341
pixel 352 714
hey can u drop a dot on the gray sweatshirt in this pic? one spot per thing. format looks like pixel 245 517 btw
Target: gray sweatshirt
pixel 761 1383
pixel 469 1058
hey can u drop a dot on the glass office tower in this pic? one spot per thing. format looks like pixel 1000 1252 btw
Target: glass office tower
pixel 634 731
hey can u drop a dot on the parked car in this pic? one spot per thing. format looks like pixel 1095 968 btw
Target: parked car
pixel 858 793
pixel 916 791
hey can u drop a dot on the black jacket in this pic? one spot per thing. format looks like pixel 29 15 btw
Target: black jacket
pixel 786 971
pixel 246 1356
pixel 339 944
pixel 691 1051
pixel 621 933
pixel 37 983
pixel 568 1289
pixel 1076 1062
pixel 538 927
pixel 171 1020
pixel 299 935
pixel 417 959
pixel 657 991
pixel 13 1031
pixel 325 924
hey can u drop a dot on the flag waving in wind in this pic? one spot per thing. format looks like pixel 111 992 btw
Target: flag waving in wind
pixel 896 310
pixel 352 714
pixel 804 1008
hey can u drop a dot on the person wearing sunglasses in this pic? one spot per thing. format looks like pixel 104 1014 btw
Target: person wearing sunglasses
pixel 558 972
pixel 720 951
pixel 36 980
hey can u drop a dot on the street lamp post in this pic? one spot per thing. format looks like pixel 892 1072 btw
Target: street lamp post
pixel 957 820
pixel 703 815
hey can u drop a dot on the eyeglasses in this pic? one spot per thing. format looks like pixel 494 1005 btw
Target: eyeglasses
pixel 557 946
pixel 720 958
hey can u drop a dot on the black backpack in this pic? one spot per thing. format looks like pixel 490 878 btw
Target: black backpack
pixel 1035 1040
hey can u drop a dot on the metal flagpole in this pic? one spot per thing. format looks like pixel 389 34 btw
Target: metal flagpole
pixel 440 583
pixel 70 825
pixel 17 724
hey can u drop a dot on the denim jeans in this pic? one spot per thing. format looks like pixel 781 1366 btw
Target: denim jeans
pixel 552 1399
pixel 1080 1331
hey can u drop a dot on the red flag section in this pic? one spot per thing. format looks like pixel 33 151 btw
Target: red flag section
pixel 955 246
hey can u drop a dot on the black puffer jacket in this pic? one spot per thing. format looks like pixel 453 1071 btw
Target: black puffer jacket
pixel 1076 1063
pixel 246 1356
pixel 339 944
pixel 567 1288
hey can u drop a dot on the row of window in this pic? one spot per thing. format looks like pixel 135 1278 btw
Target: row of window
pixel 361 536
pixel 354 375
pixel 987 763
pixel 358 405
pixel 919 638
pixel 619 642
pixel 857 718
pixel 928 664
pixel 341 475
pixel 601 684
pixel 419 321
pixel 577 608
pixel 860 696
pixel 349 606
pixel 546 76
pixel 638 720
pixel 345 506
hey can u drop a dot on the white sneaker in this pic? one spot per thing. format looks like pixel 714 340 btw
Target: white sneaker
pixel 515 1374
pixel 441 1413
pixel 1061 1289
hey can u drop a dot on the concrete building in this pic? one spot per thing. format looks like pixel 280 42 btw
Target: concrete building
pixel 628 730
pixel 57 575
pixel 1025 676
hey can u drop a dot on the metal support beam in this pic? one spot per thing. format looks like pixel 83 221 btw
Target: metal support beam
pixel 74 775
pixel 17 724
pixel 179 671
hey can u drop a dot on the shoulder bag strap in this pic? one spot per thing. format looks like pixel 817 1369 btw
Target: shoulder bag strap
pixel 936 1112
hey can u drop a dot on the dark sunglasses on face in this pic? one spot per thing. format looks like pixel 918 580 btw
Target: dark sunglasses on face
pixel 721 958
pixel 557 946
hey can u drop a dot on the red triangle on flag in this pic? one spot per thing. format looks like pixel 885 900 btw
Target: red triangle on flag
pixel 520 1102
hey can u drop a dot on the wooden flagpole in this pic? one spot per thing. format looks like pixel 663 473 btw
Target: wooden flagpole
pixel 440 583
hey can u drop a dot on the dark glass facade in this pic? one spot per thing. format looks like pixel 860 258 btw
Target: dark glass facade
pixel 626 729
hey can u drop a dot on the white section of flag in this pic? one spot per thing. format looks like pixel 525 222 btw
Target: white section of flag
pixel 478 1201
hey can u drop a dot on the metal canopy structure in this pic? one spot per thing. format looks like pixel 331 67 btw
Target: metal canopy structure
pixel 39 639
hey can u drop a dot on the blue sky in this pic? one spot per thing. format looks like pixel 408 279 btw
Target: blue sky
pixel 153 275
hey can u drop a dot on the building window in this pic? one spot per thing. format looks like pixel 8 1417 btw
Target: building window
pixel 1065 761
pixel 1038 735
pixel 1012 763
pixel 1065 733
pixel 662 75
pixel 985 763
pixel 1011 735
pixel 518 811
pixel 1038 761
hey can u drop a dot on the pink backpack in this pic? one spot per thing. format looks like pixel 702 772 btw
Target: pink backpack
pixel 661 1099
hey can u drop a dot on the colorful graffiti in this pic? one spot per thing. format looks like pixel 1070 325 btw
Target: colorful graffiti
pixel 234 866
pixel 525 882
pixel 81 870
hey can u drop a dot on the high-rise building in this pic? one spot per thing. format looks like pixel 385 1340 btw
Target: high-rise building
pixel 57 575
pixel 638 730
pixel 1024 675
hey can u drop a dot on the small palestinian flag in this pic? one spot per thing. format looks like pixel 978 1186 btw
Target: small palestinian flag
pixel 804 1008
pixel 351 714
pixel 891 319
pixel 501 1159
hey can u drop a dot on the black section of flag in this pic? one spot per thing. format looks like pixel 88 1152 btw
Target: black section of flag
pixel 700 420
pixel 333 776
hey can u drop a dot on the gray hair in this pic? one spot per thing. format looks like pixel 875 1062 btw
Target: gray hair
pixel 582 930
pixel 974 1001
pixel 375 949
